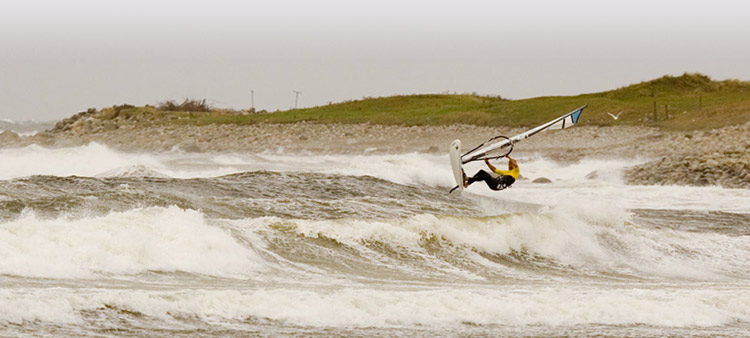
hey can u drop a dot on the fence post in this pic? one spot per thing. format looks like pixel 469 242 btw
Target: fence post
pixel 666 111
pixel 655 117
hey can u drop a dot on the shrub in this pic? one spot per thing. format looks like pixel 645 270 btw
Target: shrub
pixel 186 106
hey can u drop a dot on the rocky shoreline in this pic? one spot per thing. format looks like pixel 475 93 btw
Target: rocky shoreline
pixel 715 157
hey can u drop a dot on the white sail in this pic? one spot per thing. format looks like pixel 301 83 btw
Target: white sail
pixel 562 122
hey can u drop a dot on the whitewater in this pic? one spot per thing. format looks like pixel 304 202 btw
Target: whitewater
pixel 98 242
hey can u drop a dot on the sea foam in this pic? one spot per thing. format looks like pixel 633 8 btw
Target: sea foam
pixel 560 306
pixel 139 240
pixel 588 239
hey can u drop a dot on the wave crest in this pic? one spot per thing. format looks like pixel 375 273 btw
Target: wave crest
pixel 136 241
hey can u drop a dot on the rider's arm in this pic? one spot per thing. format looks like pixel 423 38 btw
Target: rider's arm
pixel 492 167
pixel 511 163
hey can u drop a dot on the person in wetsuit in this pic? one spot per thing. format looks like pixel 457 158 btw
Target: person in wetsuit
pixel 498 179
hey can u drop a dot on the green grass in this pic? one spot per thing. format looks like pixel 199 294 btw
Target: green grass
pixel 693 101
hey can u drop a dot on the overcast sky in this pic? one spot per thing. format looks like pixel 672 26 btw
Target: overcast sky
pixel 61 57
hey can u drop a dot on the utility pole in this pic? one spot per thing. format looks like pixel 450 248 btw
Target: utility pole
pixel 296 97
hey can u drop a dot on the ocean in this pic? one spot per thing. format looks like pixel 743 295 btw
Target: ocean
pixel 25 128
pixel 100 243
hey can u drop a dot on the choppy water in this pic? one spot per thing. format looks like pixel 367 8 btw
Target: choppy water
pixel 94 242
pixel 25 128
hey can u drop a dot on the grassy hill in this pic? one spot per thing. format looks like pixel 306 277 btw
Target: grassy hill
pixel 690 101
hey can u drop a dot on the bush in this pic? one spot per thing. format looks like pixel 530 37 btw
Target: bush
pixel 187 106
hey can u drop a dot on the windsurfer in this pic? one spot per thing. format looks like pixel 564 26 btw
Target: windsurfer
pixel 497 179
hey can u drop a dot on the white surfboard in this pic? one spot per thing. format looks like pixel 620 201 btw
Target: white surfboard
pixel 456 166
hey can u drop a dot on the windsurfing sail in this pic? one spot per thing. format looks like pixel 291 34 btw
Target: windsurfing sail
pixel 499 146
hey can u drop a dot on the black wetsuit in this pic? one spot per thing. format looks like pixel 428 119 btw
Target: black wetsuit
pixel 495 182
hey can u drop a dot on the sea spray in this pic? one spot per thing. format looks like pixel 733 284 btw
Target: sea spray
pixel 121 243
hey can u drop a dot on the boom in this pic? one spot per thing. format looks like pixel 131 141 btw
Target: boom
pixel 498 143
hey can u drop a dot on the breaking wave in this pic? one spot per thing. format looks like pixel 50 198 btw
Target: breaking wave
pixel 131 242
pixel 563 241
pixel 440 308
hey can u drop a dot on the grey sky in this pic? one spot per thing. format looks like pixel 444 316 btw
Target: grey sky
pixel 61 57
